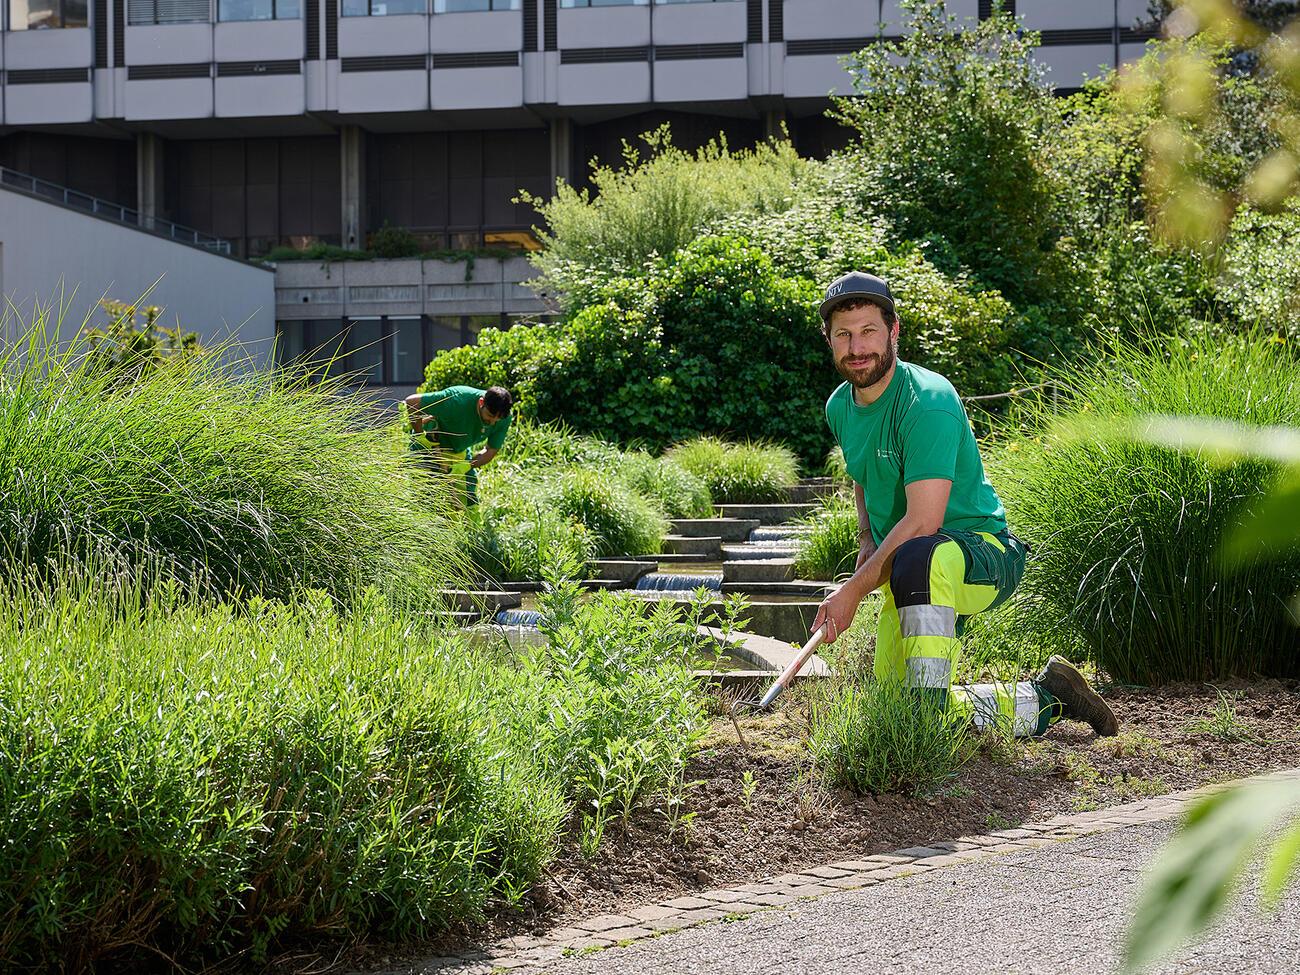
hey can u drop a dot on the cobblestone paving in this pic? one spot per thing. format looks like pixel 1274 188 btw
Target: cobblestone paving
pixel 1050 897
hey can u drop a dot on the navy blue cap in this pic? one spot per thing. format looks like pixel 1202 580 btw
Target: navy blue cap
pixel 857 284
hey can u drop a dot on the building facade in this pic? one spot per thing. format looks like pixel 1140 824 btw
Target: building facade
pixel 271 123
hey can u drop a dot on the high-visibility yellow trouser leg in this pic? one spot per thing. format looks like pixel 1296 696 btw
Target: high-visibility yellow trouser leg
pixel 936 581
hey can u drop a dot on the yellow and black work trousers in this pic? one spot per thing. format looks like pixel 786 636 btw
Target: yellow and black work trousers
pixel 936 583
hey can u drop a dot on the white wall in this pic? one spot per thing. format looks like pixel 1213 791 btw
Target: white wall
pixel 47 249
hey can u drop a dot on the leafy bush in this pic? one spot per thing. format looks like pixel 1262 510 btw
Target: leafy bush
pixel 1124 533
pixel 831 549
pixel 620 521
pixel 650 207
pixel 714 341
pixel 746 473
pixel 882 737
pixel 677 492
pixel 183 779
pixel 394 242
pixel 316 252
pixel 229 479
pixel 954 122
pixel 1261 270
pixel 555 443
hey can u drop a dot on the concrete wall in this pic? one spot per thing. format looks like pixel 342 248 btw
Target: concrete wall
pixel 47 249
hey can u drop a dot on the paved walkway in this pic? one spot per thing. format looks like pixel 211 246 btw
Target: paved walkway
pixel 1052 898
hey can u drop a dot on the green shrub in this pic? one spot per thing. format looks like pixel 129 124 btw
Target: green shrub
pixel 738 473
pixel 650 207
pixel 1261 270
pixel 677 492
pixel 882 737
pixel 955 122
pixel 1125 533
pixel 229 479
pixel 619 520
pixel 316 252
pixel 389 243
pixel 831 549
pixel 192 781
pixel 531 444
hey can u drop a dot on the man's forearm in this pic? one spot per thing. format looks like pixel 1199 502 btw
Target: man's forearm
pixel 874 572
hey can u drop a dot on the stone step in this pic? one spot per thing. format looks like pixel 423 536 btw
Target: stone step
pixel 481 601
pixel 709 546
pixel 728 529
pixel 627 571
pixel 746 553
pixel 758 570
pixel 806 588
pixel 673 558
pixel 766 514
pixel 812 489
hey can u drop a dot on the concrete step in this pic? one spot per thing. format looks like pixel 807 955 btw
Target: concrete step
pixel 758 570
pixel 673 558
pixel 628 571
pixel 481 601
pixel 766 514
pixel 728 529
pixel 593 584
pixel 812 489
pixel 808 589
pixel 746 553
pixel 709 546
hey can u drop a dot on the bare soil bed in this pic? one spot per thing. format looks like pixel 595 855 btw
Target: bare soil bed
pixel 760 810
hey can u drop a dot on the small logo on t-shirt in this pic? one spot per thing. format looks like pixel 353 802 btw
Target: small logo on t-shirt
pixel 889 455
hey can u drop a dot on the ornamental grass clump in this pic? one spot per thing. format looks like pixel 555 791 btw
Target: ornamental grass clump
pixel 830 549
pixel 516 531
pixel 1127 534
pixel 227 478
pixel 191 781
pixel 620 521
pixel 678 492
pixel 883 737
pixel 739 473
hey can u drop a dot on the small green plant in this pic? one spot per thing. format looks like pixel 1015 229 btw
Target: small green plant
pixel 132 341
pixel 882 737
pixel 1222 720
pixel 995 821
pixel 394 242
pixel 738 473
pixel 748 786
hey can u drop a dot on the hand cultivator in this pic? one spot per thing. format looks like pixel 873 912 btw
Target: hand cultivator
pixel 789 673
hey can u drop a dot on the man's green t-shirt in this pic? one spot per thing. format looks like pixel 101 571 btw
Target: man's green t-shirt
pixel 918 429
pixel 452 419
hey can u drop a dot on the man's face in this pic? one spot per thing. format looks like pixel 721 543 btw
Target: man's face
pixel 862 345
pixel 486 415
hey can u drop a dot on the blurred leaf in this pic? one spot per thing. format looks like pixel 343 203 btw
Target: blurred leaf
pixel 1272 528
pixel 1280 866
pixel 1224 440
pixel 1196 873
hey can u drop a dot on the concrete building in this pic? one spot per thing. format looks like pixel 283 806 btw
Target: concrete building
pixel 268 123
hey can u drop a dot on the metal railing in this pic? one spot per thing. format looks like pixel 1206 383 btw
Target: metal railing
pixel 76 200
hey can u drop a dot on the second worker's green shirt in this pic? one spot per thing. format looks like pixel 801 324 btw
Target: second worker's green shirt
pixel 454 420
pixel 916 430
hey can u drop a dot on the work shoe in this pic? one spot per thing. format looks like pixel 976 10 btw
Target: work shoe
pixel 1062 680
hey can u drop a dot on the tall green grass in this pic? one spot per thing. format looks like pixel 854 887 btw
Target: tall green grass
pixel 1126 535
pixel 621 522
pixel 831 549
pixel 226 478
pixel 882 737
pixel 677 492
pixel 739 473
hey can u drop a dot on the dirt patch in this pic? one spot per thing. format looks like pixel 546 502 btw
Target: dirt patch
pixel 759 810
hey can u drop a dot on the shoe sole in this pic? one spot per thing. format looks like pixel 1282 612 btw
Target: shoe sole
pixel 1079 684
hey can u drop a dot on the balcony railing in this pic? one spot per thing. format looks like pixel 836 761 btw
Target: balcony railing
pixel 75 200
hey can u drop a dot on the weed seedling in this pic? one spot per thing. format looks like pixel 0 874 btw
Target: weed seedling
pixel 1222 721
pixel 747 786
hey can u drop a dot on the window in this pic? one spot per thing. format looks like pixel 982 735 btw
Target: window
pixel 603 3
pixel 363 352
pixel 379 351
pixel 235 10
pixel 465 6
pixel 406 345
pixel 383 8
pixel 46 14
pixel 145 12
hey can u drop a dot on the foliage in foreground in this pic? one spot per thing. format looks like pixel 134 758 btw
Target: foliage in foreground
pixel 1124 531
pixel 883 737
pixel 197 780
pixel 237 481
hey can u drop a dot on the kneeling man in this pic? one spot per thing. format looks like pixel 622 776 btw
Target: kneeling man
pixel 932 531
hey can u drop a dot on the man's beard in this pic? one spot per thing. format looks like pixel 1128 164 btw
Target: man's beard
pixel 873 371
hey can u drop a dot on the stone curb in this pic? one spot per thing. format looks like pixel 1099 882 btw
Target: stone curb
pixel 527 955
